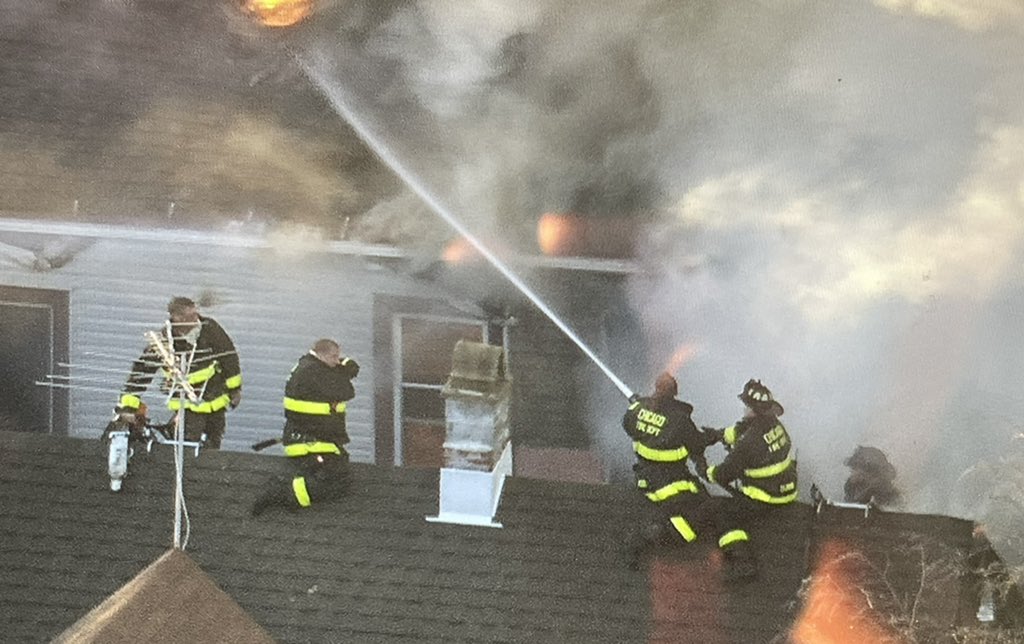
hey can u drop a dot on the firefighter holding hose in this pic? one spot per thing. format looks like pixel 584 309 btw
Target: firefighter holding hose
pixel 759 471
pixel 665 440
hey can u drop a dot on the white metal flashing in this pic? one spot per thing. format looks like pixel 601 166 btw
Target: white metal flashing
pixel 470 497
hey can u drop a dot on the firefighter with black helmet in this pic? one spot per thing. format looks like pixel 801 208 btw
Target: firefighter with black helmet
pixel 759 471
pixel 665 439
pixel 213 369
pixel 314 436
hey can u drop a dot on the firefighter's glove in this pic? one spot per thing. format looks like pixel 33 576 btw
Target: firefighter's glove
pixel 350 365
pixel 714 435
pixel 236 398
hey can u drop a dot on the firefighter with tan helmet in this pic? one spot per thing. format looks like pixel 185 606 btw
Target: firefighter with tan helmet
pixel 665 440
pixel 759 471
pixel 314 436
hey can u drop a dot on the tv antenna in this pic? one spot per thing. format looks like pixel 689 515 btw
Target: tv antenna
pixel 175 365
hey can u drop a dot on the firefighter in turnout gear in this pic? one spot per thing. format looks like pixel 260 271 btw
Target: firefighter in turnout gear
pixel 664 441
pixel 759 471
pixel 213 369
pixel 314 435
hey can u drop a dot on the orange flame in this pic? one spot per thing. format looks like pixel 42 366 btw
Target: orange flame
pixel 683 354
pixel 458 251
pixel 561 234
pixel 279 13
pixel 835 610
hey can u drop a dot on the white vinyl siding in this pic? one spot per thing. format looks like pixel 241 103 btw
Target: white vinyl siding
pixel 273 303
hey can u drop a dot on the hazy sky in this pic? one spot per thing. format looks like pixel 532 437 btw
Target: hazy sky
pixel 837 191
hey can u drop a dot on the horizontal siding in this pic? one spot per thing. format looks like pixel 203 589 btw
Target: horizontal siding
pixel 273 304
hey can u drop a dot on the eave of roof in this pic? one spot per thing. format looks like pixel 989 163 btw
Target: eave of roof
pixel 60 228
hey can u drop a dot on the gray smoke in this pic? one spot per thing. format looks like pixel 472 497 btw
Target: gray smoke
pixel 859 233
pixel 837 188
pixel 507 110
pixel 178 113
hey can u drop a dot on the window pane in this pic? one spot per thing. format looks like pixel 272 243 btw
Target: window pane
pixel 423 427
pixel 427 347
pixel 423 404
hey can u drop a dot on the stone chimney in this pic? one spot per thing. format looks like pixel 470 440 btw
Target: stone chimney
pixel 477 451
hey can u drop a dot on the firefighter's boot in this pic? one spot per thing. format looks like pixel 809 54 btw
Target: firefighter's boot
pixel 642 539
pixel 740 563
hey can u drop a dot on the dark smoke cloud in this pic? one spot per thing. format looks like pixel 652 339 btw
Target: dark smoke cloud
pixel 528 109
pixel 827 195
pixel 837 190
pixel 179 113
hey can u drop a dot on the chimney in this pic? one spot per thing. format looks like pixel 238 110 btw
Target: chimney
pixel 477 451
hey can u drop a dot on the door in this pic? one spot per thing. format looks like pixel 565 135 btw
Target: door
pixel 33 345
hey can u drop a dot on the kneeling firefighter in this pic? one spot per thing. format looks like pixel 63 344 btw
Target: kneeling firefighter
pixel 664 440
pixel 314 434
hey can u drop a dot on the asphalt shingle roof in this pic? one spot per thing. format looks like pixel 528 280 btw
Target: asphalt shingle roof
pixel 370 568
pixel 171 600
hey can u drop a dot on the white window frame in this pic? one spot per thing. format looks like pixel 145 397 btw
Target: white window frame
pixel 396 361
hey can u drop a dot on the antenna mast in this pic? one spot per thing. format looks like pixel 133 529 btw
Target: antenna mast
pixel 176 368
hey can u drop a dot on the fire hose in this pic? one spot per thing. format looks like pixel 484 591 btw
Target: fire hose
pixel 262 445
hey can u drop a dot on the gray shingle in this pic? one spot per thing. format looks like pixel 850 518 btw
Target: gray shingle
pixel 371 568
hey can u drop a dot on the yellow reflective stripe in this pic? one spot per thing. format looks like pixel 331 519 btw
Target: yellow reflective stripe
pixel 671 490
pixel 313 408
pixel 202 375
pixel 768 470
pixel 729 435
pixel 660 455
pixel 711 473
pixel 758 494
pixel 733 536
pixel 301 493
pixel 130 402
pixel 313 447
pixel 206 407
pixel 634 406
pixel 683 528
pixel 234 382
pixel 641 483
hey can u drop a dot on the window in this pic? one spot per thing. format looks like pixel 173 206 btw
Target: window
pixel 422 346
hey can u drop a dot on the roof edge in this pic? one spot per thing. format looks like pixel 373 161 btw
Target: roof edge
pixel 157 601
pixel 237 239
pixel 176 235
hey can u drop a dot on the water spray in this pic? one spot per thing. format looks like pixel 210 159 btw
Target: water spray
pixel 385 153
